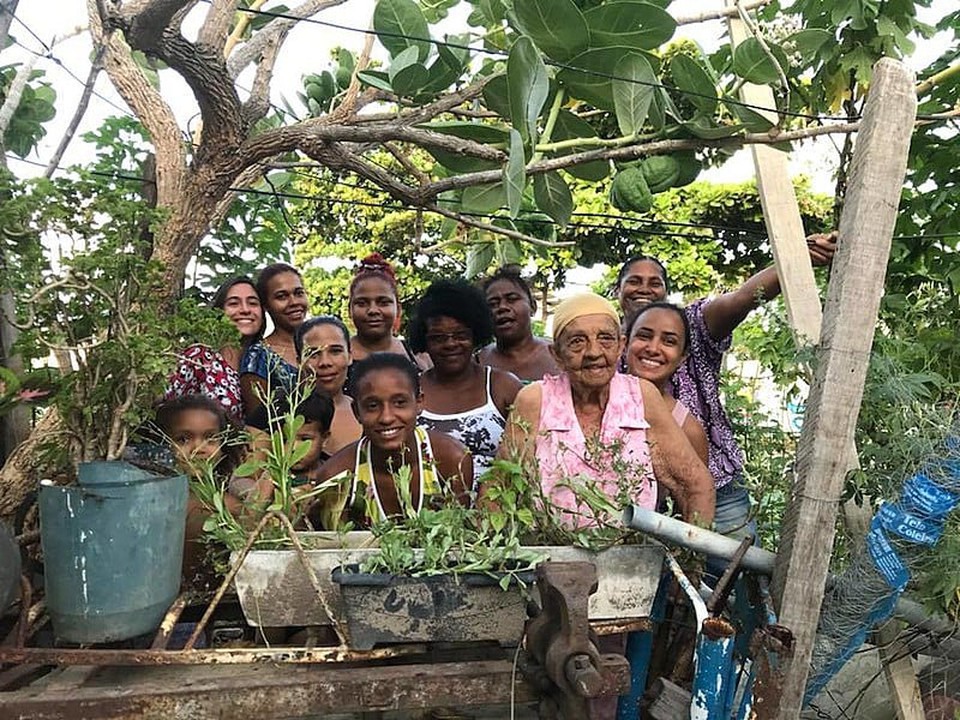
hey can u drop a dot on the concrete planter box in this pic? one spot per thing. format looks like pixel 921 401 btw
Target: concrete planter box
pixel 275 591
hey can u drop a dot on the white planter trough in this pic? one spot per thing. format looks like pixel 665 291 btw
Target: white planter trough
pixel 275 590
pixel 274 587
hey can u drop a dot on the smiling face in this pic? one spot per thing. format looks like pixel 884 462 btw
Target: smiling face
pixel 242 307
pixel 449 344
pixel 588 350
pixel 195 435
pixel 327 357
pixel 511 310
pixel 286 301
pixel 657 345
pixel 641 285
pixel 373 308
pixel 387 407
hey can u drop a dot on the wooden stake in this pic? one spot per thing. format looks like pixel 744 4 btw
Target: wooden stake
pixel 850 315
pixel 781 213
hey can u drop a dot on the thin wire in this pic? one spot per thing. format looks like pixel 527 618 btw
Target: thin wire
pixel 608 216
pixel 50 56
pixel 535 221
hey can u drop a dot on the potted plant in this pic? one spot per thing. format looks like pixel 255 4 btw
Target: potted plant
pixel 111 533
pixel 443 574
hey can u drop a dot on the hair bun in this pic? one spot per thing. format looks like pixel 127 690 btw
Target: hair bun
pixel 374 263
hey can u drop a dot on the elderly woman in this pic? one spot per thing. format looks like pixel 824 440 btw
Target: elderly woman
pixel 591 421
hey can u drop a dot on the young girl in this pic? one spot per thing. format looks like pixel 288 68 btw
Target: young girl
pixel 387 401
pixel 317 410
pixel 201 434
pixel 271 365
pixel 375 310
pixel 201 370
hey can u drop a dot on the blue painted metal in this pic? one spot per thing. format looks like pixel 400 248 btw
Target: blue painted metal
pixel 712 686
pixel 639 649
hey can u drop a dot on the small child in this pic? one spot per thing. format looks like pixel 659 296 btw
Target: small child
pixel 201 434
pixel 317 412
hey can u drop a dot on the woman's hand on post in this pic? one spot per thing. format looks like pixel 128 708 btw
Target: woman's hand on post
pixel 822 247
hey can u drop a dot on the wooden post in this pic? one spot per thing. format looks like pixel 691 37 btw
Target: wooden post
pixel 853 299
pixel 781 213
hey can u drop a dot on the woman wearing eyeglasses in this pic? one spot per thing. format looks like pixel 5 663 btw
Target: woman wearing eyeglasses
pixel 592 424
pixel 461 398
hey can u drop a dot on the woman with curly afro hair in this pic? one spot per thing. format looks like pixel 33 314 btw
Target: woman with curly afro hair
pixel 461 398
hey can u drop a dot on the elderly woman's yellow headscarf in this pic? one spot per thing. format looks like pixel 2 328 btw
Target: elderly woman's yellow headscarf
pixel 579 305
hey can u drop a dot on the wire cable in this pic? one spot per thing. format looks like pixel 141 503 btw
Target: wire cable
pixel 401 207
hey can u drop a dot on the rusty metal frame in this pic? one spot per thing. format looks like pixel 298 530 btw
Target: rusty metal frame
pixel 247 693
pixel 218 656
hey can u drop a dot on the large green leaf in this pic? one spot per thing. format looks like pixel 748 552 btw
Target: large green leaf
pixel 515 174
pixel 407 75
pixel 589 75
pixel 527 87
pixel 460 163
pixel 483 198
pixel 751 120
pixel 479 257
pixel 396 21
pixel 476 131
pixel 752 63
pixel 569 126
pixel 694 83
pixel 377 79
pixel 808 42
pixel 556 26
pixel 496 96
pixel 638 25
pixel 446 69
pixel 632 92
pixel 553 196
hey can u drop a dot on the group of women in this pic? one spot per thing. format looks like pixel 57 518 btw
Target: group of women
pixel 641 383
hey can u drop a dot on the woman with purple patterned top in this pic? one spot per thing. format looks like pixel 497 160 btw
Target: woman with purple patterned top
pixel 696 383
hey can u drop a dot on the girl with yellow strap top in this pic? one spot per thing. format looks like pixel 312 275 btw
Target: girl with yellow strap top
pixel 387 401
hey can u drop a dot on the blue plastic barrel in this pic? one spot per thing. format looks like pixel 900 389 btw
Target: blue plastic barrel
pixel 113 550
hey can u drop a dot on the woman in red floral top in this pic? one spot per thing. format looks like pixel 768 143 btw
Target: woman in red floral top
pixel 201 370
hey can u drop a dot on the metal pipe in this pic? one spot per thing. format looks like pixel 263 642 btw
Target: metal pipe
pixel 677 532
pixel 692 537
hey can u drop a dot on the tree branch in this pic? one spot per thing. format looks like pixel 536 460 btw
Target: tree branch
pixel 633 152
pixel 202 68
pixel 276 29
pixel 15 93
pixel 95 68
pixel 216 26
pixel 480 225
pixel 148 105
pixel 304 135
pixel 258 104
pixel 719 14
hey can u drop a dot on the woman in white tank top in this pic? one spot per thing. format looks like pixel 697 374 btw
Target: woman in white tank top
pixel 461 398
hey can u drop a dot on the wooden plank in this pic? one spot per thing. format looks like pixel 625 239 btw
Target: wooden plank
pixel 781 213
pixel 853 299
pixel 900 674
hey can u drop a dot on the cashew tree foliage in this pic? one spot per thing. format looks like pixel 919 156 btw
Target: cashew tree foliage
pixel 534 95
